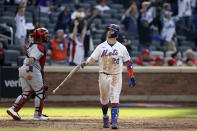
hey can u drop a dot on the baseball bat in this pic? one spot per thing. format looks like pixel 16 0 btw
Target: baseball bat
pixel 67 77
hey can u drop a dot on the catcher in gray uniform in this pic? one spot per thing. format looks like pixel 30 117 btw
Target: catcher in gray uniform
pixel 31 78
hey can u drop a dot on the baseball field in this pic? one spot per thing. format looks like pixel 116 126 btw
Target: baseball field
pixel 90 119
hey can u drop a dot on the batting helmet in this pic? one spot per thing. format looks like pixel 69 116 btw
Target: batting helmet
pixel 40 34
pixel 115 28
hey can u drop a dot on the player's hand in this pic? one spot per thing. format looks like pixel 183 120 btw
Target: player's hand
pixel 85 22
pixel 83 64
pixel 76 23
pixel 132 82
pixel 29 76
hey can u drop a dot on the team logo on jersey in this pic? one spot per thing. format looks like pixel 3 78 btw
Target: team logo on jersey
pixel 106 53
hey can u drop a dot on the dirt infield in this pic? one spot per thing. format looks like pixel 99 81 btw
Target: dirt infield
pixel 95 124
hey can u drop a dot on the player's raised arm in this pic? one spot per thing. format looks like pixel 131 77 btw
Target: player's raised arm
pixel 76 23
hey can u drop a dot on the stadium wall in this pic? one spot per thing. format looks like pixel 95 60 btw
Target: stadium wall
pixel 154 84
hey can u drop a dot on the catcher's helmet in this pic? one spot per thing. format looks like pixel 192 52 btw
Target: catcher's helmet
pixel 115 28
pixel 40 34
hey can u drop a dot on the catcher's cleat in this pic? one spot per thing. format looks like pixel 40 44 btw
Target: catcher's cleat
pixel 13 114
pixel 114 125
pixel 41 117
pixel 105 121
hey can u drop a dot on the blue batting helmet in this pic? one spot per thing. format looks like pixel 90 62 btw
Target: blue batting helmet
pixel 115 28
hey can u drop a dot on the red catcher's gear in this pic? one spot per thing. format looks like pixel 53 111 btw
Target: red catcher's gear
pixel 40 34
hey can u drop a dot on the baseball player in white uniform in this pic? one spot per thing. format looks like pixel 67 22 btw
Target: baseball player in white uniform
pixel 111 55
pixel 31 77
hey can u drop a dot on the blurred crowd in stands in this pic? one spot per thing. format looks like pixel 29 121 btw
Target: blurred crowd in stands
pixel 155 32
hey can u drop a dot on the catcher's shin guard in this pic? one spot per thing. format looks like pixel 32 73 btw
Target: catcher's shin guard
pixel 114 115
pixel 21 100
pixel 39 102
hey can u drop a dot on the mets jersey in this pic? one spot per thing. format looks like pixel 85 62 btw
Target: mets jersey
pixel 111 57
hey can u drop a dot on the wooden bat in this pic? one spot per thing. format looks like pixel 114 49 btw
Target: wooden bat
pixel 67 77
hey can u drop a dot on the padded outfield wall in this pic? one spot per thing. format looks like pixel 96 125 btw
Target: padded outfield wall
pixel 154 84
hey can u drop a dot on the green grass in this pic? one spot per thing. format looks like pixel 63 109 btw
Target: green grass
pixel 19 129
pixel 124 112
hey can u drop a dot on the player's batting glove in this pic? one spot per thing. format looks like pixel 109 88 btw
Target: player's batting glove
pixel 83 64
pixel 132 82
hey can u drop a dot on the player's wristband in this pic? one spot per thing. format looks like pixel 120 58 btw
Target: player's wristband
pixel 30 69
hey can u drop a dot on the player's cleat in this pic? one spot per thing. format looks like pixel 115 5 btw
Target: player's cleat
pixel 42 117
pixel 105 121
pixel 114 125
pixel 13 114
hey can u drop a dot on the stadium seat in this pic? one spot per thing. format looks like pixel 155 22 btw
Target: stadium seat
pixel 181 38
pixel 48 61
pixel 106 15
pixel 153 48
pixel 50 26
pixel 135 54
pixel 117 16
pixel 183 48
pixel 1 1
pixel 9 20
pixel 97 21
pixel 156 43
pixel 31 9
pixel 134 48
pixel 92 2
pixel 12 9
pixel 44 20
pixel 51 30
pixel 188 43
pixel 111 11
pixel 11 57
pixel 85 5
pixel 20 60
pixel 169 53
pixel 9 13
pixel 102 26
pixel 97 36
pixel 96 41
pixel 156 53
pixel 28 14
pixel 5 43
pixel 116 6
pixel 100 31
pixel 14 47
pixel 111 21
pixel 55 14
pixel 135 42
pixel 29 19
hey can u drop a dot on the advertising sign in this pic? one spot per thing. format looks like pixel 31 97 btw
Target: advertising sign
pixel 10 84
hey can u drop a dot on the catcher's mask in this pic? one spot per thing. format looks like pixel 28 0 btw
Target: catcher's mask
pixel 40 34
pixel 115 28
